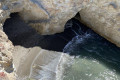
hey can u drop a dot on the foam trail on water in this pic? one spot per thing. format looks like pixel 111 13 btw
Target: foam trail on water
pixel 94 58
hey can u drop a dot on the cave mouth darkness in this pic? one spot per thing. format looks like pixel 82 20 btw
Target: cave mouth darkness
pixel 95 57
pixel 22 34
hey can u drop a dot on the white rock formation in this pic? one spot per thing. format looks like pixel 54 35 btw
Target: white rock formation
pixel 7 7
pixel 103 16
pixel 37 63
pixel 50 16
pixel 46 16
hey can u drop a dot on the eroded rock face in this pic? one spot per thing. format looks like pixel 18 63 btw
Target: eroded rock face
pixel 103 16
pixel 6 48
pixel 7 7
pixel 47 17
pixel 50 16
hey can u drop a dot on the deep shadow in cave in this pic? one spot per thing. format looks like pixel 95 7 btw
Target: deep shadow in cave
pixel 22 34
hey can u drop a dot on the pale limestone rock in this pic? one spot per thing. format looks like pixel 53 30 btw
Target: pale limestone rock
pixel 103 16
pixel 50 16
pixel 39 64
pixel 46 16
pixel 6 49
pixel 7 7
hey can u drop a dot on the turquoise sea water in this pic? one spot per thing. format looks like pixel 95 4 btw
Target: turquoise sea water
pixel 94 58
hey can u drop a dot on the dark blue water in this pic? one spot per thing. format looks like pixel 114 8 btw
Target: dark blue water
pixel 94 57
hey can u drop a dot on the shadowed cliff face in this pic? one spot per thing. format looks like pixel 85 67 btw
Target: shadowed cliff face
pixel 21 34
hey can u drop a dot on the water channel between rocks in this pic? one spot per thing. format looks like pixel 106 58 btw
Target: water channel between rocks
pixel 94 57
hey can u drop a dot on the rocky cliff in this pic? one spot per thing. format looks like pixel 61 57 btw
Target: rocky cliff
pixel 6 48
pixel 103 16
pixel 50 17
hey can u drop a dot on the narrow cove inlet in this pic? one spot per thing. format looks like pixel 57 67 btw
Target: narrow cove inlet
pixel 92 56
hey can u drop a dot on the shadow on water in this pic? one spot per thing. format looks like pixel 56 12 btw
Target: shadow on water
pixel 85 43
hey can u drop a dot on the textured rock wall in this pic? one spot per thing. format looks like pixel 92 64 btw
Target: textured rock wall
pixel 50 16
pixel 6 48
pixel 103 16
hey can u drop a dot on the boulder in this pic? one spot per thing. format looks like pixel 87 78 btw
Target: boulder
pixel 39 64
pixel 50 16
pixel 103 16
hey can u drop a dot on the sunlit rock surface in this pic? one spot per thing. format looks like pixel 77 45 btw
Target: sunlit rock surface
pixel 6 48
pixel 37 63
pixel 50 16
pixel 103 16
pixel 7 7
pixel 47 17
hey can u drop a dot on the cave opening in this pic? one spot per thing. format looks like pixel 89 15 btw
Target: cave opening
pixel 76 40
pixel 20 33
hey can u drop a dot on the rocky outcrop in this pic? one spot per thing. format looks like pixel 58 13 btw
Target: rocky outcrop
pixel 7 7
pixel 103 16
pixel 50 16
pixel 33 63
pixel 6 48
pixel 37 63
pixel 47 17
